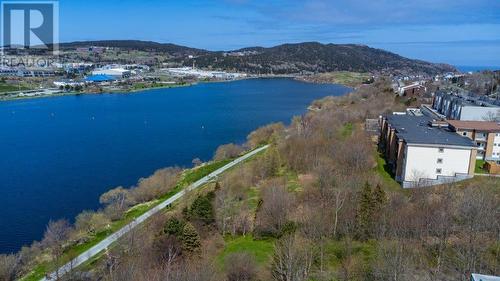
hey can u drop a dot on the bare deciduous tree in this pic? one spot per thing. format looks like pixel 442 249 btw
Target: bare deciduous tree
pixel 117 200
pixel 393 261
pixel 292 259
pixel 56 235
pixel 159 183
pixel 228 151
pixel 265 134
pixel 273 213
pixel 240 267
pixel 8 267
pixel 90 222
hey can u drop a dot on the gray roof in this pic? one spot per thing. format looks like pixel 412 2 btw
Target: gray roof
pixel 417 130
pixel 471 99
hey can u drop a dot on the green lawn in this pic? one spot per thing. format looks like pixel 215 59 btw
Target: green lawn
pixel 479 167
pixel 195 174
pixel 385 174
pixel 253 198
pixel 335 252
pixel 10 88
pixel 351 79
pixel 346 130
pixel 260 249
pixel 292 180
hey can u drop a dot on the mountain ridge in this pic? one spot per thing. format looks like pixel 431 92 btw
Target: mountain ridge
pixel 287 58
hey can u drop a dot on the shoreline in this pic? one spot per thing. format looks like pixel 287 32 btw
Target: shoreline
pixel 134 91
pixel 295 77
pixel 72 93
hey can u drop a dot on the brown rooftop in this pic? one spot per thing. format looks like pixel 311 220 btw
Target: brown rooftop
pixel 475 125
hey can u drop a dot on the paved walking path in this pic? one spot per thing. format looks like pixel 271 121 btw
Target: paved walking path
pixel 104 244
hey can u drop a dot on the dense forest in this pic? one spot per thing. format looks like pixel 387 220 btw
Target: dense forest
pixel 317 205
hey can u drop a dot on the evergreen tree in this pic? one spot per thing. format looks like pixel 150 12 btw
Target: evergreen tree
pixel 379 201
pixel 174 227
pixel 364 215
pixel 202 209
pixel 379 198
pixel 190 238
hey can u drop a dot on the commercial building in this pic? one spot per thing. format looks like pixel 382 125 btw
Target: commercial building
pixel 99 78
pixel 466 107
pixel 68 82
pixel 422 152
pixel 117 73
pixel 199 73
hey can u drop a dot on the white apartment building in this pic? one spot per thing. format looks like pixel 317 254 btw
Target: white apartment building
pixel 423 153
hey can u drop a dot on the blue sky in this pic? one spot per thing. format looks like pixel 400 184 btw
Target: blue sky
pixel 459 32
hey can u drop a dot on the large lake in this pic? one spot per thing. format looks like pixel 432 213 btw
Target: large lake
pixel 58 154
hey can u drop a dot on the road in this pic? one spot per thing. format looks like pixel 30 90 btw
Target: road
pixel 104 244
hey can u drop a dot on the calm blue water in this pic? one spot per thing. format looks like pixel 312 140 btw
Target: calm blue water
pixel 57 155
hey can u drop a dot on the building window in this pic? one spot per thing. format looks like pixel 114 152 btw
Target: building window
pixel 440 161
pixel 441 150
pixel 464 133
pixel 438 171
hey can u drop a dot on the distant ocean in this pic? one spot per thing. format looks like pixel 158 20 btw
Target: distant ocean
pixel 468 68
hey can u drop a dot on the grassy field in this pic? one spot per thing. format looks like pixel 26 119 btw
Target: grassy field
pixel 479 167
pixel 260 249
pixel 385 174
pixel 11 88
pixel 196 174
pixel 346 130
pixel 351 79
pixel 253 198
pixel 189 177
pixel 335 251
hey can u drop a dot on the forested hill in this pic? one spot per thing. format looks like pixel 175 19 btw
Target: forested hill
pixel 171 49
pixel 308 57
pixel 317 57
